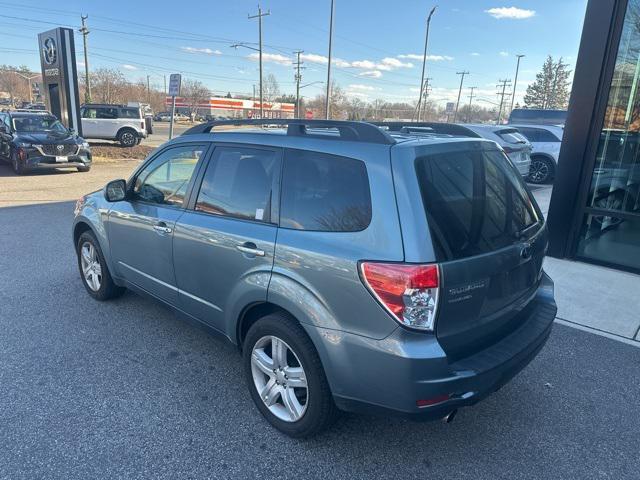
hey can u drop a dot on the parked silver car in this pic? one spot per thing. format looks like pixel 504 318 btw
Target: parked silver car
pixel 357 270
pixel 546 141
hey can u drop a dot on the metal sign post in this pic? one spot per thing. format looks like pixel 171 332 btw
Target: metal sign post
pixel 175 81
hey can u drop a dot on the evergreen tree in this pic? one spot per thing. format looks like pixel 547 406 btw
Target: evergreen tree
pixel 551 87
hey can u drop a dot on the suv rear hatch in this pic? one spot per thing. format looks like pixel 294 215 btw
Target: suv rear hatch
pixel 488 237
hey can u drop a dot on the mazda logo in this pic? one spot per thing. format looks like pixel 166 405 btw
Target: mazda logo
pixel 60 148
pixel 49 51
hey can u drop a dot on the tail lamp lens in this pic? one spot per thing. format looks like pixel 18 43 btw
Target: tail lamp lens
pixel 408 292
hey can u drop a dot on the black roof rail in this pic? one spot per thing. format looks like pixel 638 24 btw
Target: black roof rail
pixel 436 127
pixel 353 131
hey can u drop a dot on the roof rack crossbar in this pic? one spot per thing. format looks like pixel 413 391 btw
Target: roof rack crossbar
pixel 352 131
pixel 436 127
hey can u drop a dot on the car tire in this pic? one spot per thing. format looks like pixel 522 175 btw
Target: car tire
pixel 84 169
pixel 103 288
pixel 18 168
pixel 541 171
pixel 313 404
pixel 127 137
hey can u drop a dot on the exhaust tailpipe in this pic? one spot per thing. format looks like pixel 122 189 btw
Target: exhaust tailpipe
pixel 448 418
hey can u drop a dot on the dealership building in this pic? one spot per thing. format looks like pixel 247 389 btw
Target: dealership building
pixel 234 107
pixel 594 215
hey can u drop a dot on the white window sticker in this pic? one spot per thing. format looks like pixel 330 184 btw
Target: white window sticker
pixel 259 213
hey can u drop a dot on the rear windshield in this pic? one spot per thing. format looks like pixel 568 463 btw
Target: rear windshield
pixel 511 135
pixel 475 202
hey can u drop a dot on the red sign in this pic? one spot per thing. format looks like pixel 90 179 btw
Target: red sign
pixel 308 115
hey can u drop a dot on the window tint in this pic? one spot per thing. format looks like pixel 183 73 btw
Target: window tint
pixel 475 202
pixel 239 183
pixel 511 135
pixel 129 113
pixel 532 134
pixel 324 192
pixel 166 179
pixel 100 112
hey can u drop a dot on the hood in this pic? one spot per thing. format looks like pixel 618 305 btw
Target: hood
pixel 44 138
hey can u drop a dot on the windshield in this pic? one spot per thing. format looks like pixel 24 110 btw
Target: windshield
pixel 38 123
pixel 475 202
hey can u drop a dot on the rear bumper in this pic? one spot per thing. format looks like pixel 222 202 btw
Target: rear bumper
pixel 522 166
pixel 391 375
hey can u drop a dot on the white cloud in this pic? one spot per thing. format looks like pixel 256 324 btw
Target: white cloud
pixel 357 94
pixel 367 64
pixel 432 58
pixel 475 54
pixel 338 62
pixel 504 54
pixel 126 66
pixel 315 58
pixel 371 74
pixel 359 86
pixel 271 57
pixel 203 51
pixel 510 12
pixel 395 63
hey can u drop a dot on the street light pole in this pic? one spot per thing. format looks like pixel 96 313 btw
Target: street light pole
pixel 328 94
pixel 515 82
pixel 424 60
pixel 259 16
pixel 85 31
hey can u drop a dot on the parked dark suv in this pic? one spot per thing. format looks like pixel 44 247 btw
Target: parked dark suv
pixel 38 141
pixel 357 269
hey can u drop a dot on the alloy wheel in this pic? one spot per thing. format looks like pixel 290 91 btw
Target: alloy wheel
pixel 91 268
pixel 539 171
pixel 279 378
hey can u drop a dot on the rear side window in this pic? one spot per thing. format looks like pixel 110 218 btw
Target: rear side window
pixel 239 182
pixel 538 135
pixel 323 192
pixel 129 113
pixel 511 135
pixel 475 202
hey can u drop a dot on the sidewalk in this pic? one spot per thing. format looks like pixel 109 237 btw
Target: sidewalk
pixel 596 297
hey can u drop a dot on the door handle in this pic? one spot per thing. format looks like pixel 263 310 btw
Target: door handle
pixel 162 228
pixel 250 249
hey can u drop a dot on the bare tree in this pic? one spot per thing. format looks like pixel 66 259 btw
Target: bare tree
pixel 270 88
pixel 12 84
pixel 195 93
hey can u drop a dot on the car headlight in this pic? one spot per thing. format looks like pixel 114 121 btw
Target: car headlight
pixel 25 145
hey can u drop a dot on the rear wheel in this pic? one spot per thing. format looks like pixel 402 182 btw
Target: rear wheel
pixel 93 269
pixel 127 137
pixel 285 377
pixel 541 170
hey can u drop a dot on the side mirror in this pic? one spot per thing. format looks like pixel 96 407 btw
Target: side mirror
pixel 115 191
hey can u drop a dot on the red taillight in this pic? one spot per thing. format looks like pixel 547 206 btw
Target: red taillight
pixel 408 292
pixel 427 402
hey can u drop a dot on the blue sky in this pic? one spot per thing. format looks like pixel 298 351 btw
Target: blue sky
pixel 377 44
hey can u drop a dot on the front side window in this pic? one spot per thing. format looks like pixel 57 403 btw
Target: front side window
pixel 239 183
pixel 324 193
pixel 475 202
pixel 165 180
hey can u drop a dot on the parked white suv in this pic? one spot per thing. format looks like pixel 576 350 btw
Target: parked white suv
pixel 113 122
pixel 546 141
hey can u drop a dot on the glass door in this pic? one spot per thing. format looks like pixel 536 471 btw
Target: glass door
pixel 610 231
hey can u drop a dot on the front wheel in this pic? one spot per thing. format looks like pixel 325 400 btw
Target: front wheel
pixel 285 377
pixel 18 168
pixel 94 272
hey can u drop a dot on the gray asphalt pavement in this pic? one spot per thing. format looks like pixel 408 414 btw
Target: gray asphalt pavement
pixel 126 389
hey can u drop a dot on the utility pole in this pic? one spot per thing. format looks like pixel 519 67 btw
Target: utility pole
pixel 425 96
pixel 424 60
pixel 328 95
pixel 504 84
pixel 148 91
pixel 165 87
pixel 298 77
pixel 515 82
pixel 463 73
pixel 84 30
pixel 259 16
pixel 470 101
